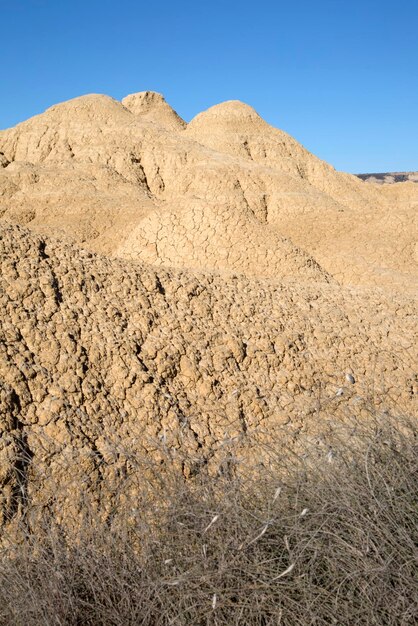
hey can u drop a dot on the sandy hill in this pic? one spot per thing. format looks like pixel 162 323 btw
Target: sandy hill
pixel 182 285
pixel 227 192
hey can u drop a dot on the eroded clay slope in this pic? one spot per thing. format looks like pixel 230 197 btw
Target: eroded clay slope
pixel 227 192
pixel 100 356
pixel 236 128
pixel 350 228
pixel 117 180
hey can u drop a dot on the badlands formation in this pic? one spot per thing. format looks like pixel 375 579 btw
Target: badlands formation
pixel 185 285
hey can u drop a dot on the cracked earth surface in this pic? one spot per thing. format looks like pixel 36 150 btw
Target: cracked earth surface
pixel 184 285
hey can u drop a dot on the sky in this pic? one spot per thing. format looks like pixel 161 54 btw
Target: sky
pixel 341 76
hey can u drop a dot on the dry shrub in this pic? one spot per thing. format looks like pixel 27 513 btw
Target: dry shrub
pixel 325 534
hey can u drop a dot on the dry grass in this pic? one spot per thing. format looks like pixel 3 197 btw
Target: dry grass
pixel 327 535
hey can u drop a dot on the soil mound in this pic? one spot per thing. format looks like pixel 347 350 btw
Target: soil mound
pixel 100 356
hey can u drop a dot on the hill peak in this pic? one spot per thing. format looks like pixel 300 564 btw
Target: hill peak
pixel 97 107
pixel 228 114
pixel 153 106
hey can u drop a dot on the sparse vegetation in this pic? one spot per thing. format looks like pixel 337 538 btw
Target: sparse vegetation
pixel 325 533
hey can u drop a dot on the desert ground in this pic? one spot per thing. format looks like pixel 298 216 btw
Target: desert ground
pixel 187 285
pixel 190 282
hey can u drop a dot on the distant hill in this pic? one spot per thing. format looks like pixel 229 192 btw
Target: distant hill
pixel 390 177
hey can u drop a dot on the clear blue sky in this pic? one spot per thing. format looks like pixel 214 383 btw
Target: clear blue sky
pixel 339 75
